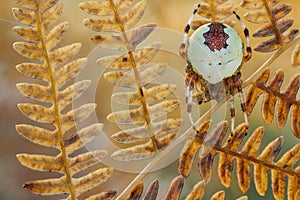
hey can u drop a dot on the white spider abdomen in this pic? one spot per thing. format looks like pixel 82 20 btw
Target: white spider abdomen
pixel 215 51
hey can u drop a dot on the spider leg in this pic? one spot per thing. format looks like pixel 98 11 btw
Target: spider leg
pixel 189 100
pixel 230 84
pixel 246 33
pixel 242 98
pixel 186 32
pixel 232 108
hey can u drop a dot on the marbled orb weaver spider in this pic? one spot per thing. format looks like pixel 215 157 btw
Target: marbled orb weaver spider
pixel 214 54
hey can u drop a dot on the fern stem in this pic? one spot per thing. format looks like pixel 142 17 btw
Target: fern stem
pixel 136 74
pixel 274 25
pixel 255 160
pixel 292 101
pixel 55 105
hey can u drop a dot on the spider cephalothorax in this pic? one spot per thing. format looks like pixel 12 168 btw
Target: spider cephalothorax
pixel 214 53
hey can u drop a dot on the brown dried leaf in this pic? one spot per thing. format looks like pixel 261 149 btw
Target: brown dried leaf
pixel 152 191
pixel 217 2
pixel 295 120
pixel 218 196
pixel 268 106
pixel 268 45
pixel 107 195
pixel 190 149
pixel 252 96
pixel 37 112
pixel 138 35
pixel 147 74
pixel 224 11
pixel 27 4
pixel 226 161
pixel 290 158
pixel 38 135
pixel 34 70
pixel 41 162
pixel 164 141
pixel 174 189
pixel 208 152
pixel 141 133
pixel 152 94
pixel 26 17
pixel 290 35
pixel 69 120
pixel 29 50
pixel 197 23
pixel 243 166
pixel 135 37
pixel 84 161
pixel 281 11
pixel 268 29
pixel 61 55
pixel 296 56
pixel 78 140
pixel 91 180
pixel 137 152
pixel 55 35
pixel 250 4
pixel 104 7
pixel 243 198
pixel 68 71
pixel 141 57
pixel 71 93
pixel 46 4
pixel 257 16
pixel 36 91
pixel 48 187
pixel 294 186
pixel 137 115
pixel 51 14
pixel 128 19
pixel 28 34
pixel 287 161
pixel 261 171
pixel 278 184
pixel 197 192
pixel 204 11
pixel 284 106
pixel 136 193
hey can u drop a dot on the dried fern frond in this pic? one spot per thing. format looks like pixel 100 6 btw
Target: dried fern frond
pixel 286 100
pixel 174 191
pixel 114 20
pixel 54 69
pixel 211 11
pixel 275 23
pixel 282 170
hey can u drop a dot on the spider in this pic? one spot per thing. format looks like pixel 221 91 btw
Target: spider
pixel 214 54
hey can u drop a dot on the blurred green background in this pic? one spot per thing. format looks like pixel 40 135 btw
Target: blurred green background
pixel 167 14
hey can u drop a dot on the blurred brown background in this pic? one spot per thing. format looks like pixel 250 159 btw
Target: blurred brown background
pixel 167 14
